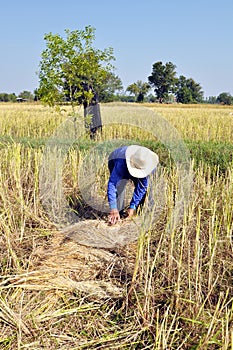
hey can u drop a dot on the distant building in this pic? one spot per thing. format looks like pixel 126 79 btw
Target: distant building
pixel 20 99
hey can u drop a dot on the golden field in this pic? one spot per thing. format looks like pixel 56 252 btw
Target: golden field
pixel 171 289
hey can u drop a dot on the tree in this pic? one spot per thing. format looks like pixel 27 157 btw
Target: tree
pixel 188 91
pixel 107 89
pixel 163 79
pixel 26 95
pixel 139 89
pixel 225 98
pixel 211 100
pixel 71 69
pixel 12 97
pixel 68 63
pixel 151 98
pixel 5 97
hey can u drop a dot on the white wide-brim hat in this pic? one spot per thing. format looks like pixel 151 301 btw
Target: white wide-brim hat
pixel 140 161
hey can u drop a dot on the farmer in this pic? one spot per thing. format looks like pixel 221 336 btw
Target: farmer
pixel 134 163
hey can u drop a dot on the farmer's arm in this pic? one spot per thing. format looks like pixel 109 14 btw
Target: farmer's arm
pixel 139 192
pixel 114 215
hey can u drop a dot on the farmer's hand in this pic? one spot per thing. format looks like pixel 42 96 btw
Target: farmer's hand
pixel 114 216
pixel 130 212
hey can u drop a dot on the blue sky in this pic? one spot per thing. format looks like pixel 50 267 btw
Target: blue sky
pixel 196 36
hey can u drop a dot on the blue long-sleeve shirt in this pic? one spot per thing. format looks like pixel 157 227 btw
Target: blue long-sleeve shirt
pixel 120 172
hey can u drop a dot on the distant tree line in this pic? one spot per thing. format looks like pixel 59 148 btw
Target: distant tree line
pixel 224 98
pixel 169 88
pixel 4 97
pixel 136 95
pixel 12 97
pixel 71 70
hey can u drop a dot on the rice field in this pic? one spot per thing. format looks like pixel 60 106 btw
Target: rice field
pixel 170 289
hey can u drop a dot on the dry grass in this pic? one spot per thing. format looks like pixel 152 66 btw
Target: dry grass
pixel 171 289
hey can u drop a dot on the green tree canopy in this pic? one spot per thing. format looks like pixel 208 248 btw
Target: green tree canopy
pixel 163 79
pixel 188 91
pixel 225 98
pixel 211 99
pixel 139 89
pixel 26 95
pixel 69 65
pixel 109 87
pixel 5 97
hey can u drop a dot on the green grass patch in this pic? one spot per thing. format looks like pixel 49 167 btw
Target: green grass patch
pixel 214 154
